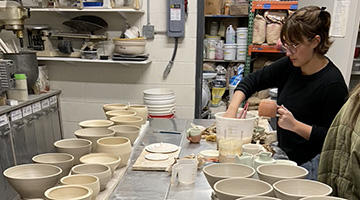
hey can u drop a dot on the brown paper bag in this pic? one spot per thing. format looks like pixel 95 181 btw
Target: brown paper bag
pixel 213 7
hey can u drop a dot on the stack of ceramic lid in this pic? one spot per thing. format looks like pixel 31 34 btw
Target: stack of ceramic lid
pixel 160 102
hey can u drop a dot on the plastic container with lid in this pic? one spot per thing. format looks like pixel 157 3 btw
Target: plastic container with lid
pixel 230 35
pixel 20 93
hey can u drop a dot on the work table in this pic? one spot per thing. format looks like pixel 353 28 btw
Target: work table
pixel 156 184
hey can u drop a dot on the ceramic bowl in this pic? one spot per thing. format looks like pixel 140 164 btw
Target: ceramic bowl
pixel 120 146
pixel 272 173
pixel 159 92
pixel 141 111
pixel 258 198
pixel 127 120
pixel 74 146
pixel 96 123
pixel 93 134
pixel 87 180
pixel 63 160
pixel 73 192
pixel 114 113
pixel 32 180
pixel 111 160
pixel 217 172
pixel 293 189
pixel 232 188
pixel 114 106
pixel 286 162
pixel 129 131
pixel 252 148
pixel 102 171
pixel 322 198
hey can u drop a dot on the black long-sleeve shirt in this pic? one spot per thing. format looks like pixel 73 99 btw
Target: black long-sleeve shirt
pixel 312 99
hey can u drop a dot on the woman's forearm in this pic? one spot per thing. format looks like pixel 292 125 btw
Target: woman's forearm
pixel 236 100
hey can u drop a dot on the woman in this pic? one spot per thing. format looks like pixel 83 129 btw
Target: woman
pixel 311 89
pixel 340 157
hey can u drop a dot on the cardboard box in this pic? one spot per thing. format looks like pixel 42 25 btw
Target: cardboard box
pixel 240 9
pixel 213 7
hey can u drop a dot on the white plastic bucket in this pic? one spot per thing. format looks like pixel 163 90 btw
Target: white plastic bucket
pixel 241 35
pixel 241 52
pixel 234 127
pixel 229 51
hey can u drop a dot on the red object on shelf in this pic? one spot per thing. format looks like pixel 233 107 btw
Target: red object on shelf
pixel 274 5
pixel 264 48
pixel 357 52
pixel 162 116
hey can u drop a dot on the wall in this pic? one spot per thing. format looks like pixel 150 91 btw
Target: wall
pixel 86 86
pixel 346 45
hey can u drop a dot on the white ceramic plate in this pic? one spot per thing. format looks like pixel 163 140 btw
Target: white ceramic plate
pixel 156 156
pixel 161 148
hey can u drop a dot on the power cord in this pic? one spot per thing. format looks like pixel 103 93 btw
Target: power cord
pixel 171 62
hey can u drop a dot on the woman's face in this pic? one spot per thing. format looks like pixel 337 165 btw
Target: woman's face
pixel 300 54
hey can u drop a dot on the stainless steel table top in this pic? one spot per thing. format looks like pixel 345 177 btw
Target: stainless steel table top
pixel 155 185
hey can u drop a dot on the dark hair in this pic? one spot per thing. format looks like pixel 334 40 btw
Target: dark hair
pixel 308 22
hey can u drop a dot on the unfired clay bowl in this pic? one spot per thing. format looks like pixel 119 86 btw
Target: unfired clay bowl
pixel 322 198
pixel 93 134
pixel 96 123
pixel 258 198
pixel 216 172
pixel 102 171
pixel 32 180
pixel 272 173
pixel 141 111
pixel 120 146
pixel 114 106
pixel 232 188
pixel 294 189
pixel 114 113
pixel 63 160
pixel 87 180
pixel 128 131
pixel 74 146
pixel 73 192
pixel 127 120
pixel 112 160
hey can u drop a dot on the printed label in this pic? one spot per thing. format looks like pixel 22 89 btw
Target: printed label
pixel 36 107
pixel 53 100
pixel 27 111
pixel 15 115
pixel 3 120
pixel 45 103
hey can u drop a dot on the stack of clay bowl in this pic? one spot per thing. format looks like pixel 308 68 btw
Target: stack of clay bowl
pixel 160 102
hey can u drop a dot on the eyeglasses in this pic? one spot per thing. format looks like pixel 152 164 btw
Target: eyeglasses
pixel 291 48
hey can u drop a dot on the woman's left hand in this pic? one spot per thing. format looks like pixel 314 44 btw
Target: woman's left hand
pixel 286 119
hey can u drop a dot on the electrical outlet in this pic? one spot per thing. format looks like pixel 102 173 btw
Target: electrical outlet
pixel 148 31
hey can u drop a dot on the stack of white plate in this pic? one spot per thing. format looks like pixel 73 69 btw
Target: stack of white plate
pixel 160 102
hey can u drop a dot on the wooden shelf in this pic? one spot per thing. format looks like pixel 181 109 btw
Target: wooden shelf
pixel 264 48
pixel 226 16
pixel 274 5
pixel 355 73
pixel 64 59
pixel 124 10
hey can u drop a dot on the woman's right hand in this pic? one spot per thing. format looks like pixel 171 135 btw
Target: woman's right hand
pixel 236 100
pixel 230 113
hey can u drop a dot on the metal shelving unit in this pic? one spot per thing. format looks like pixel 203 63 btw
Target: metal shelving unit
pixel 264 48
